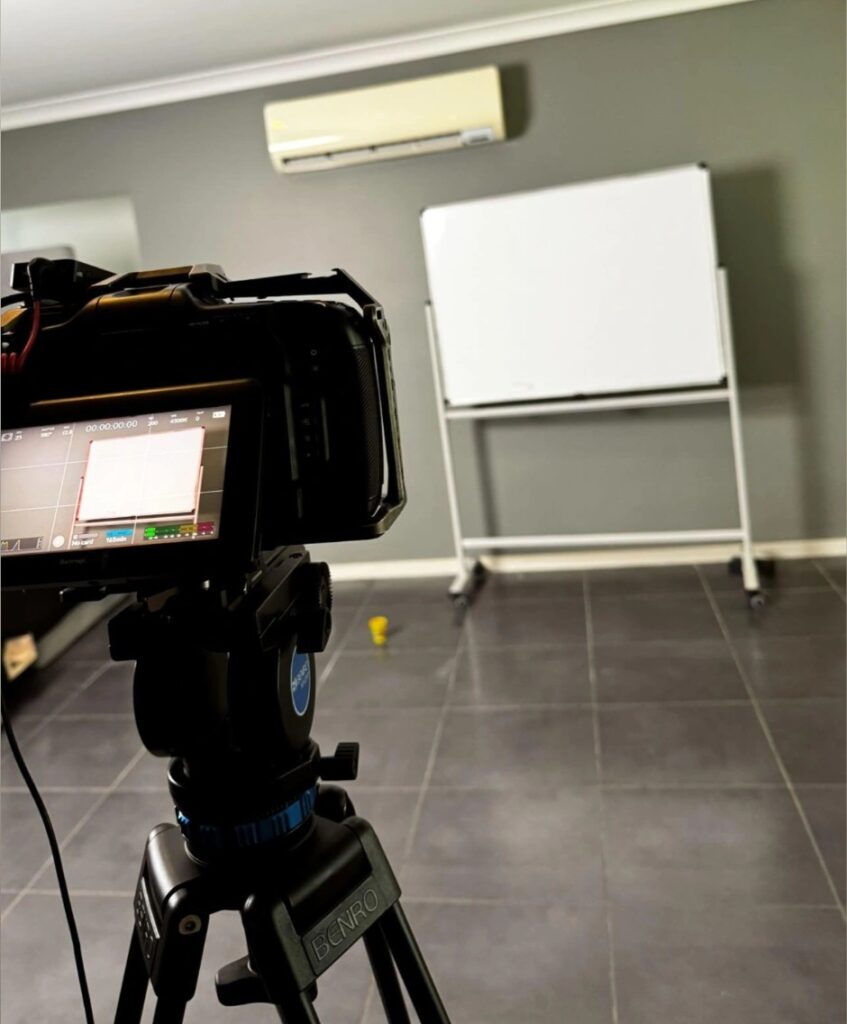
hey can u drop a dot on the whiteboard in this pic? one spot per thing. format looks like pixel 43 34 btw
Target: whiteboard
pixel 589 289
pixel 145 476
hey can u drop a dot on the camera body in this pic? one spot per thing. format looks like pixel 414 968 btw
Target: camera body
pixel 136 375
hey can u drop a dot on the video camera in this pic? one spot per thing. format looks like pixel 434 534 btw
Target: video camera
pixel 172 425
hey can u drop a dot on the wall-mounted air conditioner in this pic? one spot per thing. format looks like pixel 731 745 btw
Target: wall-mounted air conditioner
pixel 383 122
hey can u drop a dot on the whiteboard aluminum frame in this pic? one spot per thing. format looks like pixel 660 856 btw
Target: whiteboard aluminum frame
pixel 464 546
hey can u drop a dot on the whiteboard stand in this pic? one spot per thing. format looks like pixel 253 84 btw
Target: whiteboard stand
pixel 471 573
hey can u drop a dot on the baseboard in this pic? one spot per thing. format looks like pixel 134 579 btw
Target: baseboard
pixel 825 547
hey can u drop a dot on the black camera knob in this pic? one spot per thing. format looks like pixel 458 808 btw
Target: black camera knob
pixel 343 766
pixel 314 613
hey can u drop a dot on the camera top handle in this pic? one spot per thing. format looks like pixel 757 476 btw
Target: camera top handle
pixel 63 280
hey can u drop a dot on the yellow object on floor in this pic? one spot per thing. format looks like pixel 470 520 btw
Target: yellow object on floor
pixel 19 652
pixel 378 625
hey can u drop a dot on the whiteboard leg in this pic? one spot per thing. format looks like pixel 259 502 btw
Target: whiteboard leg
pixel 749 570
pixel 463 574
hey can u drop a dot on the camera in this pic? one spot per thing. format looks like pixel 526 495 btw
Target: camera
pixel 183 435
pixel 173 425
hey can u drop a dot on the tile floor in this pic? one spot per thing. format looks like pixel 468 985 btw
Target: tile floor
pixel 612 798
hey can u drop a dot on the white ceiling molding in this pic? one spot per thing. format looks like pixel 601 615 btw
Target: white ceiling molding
pixel 399 49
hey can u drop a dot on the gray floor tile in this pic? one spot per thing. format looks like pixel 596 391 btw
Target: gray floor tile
pixel 109 693
pixel 668 579
pixel 834 570
pixel 520 675
pixel 809 736
pixel 530 587
pixel 516 749
pixel 344 619
pixel 410 626
pixel 390 812
pixel 386 677
pixel 826 810
pixel 39 984
pixel 678 617
pixel 23 843
pixel 150 773
pixel 486 845
pixel 510 964
pixel 93 645
pixel 394 744
pixel 76 752
pixel 787 613
pixel 790 573
pixel 349 593
pixel 528 834
pixel 526 624
pixel 794 666
pixel 410 591
pixel 677 847
pixel 692 670
pixel 39 693
pixel 39 980
pixel 106 854
pixel 735 965
pixel 676 744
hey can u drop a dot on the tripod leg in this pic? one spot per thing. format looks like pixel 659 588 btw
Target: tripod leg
pixel 412 967
pixel 169 1011
pixel 298 1010
pixel 385 976
pixel 133 987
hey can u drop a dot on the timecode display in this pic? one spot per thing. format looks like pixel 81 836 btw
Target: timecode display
pixel 95 428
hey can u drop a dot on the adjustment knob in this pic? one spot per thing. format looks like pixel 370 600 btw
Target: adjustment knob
pixel 343 766
pixel 238 984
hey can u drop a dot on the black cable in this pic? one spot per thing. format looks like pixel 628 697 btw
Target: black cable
pixel 57 859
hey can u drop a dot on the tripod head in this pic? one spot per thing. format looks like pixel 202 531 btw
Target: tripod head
pixel 225 686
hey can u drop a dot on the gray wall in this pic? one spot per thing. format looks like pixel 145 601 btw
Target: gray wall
pixel 755 90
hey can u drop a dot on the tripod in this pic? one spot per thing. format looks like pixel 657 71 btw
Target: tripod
pixel 223 685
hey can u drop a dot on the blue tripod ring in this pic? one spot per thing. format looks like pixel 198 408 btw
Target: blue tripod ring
pixel 248 834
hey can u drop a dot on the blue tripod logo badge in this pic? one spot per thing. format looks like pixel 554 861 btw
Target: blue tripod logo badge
pixel 301 682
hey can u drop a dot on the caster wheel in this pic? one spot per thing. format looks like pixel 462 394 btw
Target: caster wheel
pixel 480 573
pixel 755 600
pixel 461 603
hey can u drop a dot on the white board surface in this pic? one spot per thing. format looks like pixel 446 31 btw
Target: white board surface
pixel 588 289
pixel 145 476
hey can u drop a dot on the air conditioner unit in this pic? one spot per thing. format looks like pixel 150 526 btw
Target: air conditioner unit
pixel 382 122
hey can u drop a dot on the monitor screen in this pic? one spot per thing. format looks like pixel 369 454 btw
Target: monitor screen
pixel 149 478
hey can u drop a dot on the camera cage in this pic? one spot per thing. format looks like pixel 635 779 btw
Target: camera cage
pixel 65 289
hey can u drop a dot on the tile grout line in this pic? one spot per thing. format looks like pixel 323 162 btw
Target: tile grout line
pixel 44 721
pixel 462 901
pixel 74 832
pixel 757 709
pixel 323 675
pixel 458 788
pixel 433 750
pixel 609 705
pixel 828 577
pixel 598 764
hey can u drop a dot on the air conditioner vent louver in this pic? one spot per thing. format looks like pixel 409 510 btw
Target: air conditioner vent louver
pixel 385 122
